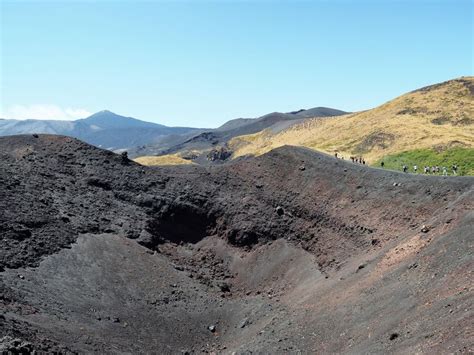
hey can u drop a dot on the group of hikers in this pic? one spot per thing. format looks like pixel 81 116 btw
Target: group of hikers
pixel 358 160
pixel 431 169
pixel 435 169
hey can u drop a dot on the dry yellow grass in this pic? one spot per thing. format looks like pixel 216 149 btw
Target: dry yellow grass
pixel 438 116
pixel 172 159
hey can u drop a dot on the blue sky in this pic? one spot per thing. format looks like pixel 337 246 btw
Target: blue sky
pixel 201 63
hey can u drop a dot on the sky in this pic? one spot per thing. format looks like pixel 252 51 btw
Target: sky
pixel 201 63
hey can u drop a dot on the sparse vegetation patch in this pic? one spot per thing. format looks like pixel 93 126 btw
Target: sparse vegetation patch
pixel 462 157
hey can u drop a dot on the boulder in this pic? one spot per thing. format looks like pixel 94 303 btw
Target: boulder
pixel 279 210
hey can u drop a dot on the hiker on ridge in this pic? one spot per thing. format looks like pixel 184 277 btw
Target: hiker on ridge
pixel 455 169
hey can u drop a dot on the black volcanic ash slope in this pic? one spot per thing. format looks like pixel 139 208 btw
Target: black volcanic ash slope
pixel 75 279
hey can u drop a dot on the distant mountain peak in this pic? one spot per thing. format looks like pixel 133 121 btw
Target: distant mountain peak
pixel 104 129
pixel 104 113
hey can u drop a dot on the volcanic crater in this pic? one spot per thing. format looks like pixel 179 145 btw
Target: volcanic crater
pixel 293 251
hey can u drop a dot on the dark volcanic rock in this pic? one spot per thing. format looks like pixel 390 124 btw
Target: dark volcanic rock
pixel 219 154
pixel 80 226
pixel 194 203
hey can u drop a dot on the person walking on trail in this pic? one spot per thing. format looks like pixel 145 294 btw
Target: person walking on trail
pixel 382 164
pixel 415 168
pixel 455 169
pixel 445 171
pixel 405 168
pixel 335 154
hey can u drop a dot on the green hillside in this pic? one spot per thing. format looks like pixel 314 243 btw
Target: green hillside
pixel 463 157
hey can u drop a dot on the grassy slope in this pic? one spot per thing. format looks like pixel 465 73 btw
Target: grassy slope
pixel 439 117
pixel 463 157
pixel 162 160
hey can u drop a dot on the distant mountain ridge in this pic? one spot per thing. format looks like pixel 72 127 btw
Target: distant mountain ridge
pixel 104 129
pixel 199 146
pixel 279 116
pixel 111 131
pixel 108 119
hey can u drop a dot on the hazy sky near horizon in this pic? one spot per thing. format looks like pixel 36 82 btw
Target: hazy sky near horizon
pixel 201 63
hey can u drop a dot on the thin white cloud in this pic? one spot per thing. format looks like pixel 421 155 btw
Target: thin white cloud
pixel 44 112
